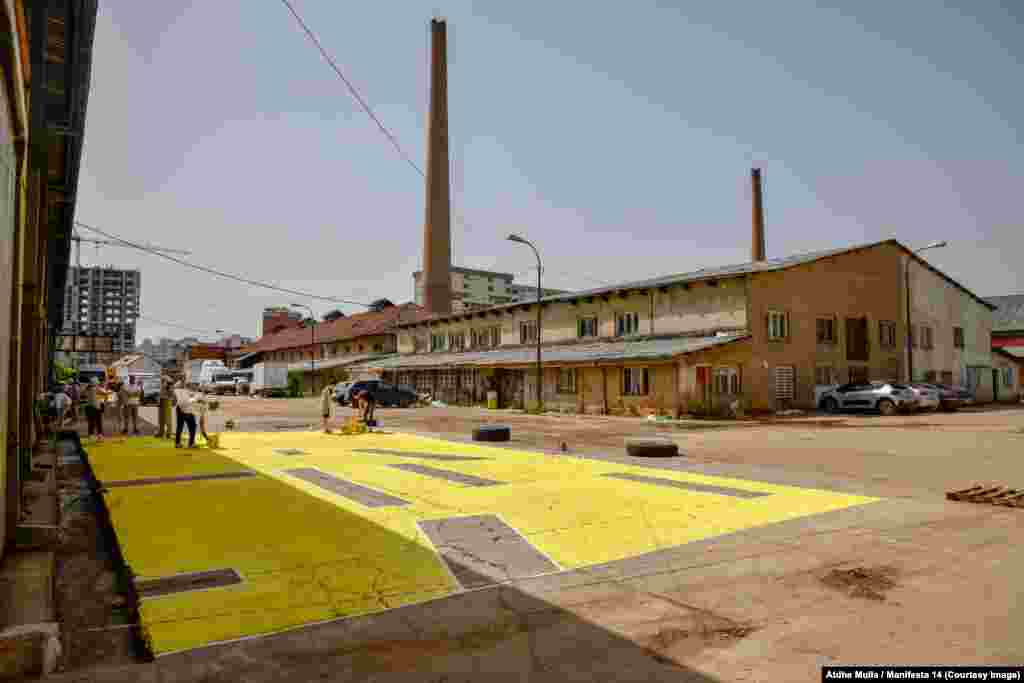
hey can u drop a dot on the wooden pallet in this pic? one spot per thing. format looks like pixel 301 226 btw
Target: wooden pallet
pixel 990 495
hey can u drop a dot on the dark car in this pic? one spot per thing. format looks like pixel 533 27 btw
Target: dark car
pixel 384 394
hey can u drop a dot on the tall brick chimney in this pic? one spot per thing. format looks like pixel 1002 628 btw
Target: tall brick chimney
pixel 757 246
pixel 437 240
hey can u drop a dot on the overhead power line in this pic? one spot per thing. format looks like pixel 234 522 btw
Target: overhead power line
pixel 351 88
pixel 176 325
pixel 218 273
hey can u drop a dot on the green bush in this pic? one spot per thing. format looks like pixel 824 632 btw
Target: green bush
pixel 63 373
pixel 295 384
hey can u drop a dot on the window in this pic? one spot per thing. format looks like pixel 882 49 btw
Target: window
pixel 958 337
pixel 378 347
pixel 947 376
pixel 1007 377
pixel 778 325
pixel 528 332
pixel 826 330
pixel 858 374
pixel 825 375
pixel 490 288
pixel 627 323
pixel 438 342
pixel 785 383
pixel 914 336
pixel 586 327
pixel 929 376
pixel 926 337
pixel 474 339
pixel 457 341
pixel 496 336
pixel 567 380
pixel 857 346
pixel 887 334
pixel 634 381
pixel 727 381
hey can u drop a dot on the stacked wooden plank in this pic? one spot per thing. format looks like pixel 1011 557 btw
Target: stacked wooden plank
pixel 990 495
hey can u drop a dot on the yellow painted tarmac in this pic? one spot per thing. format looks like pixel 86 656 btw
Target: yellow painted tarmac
pixel 307 554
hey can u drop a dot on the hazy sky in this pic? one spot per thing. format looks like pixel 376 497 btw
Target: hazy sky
pixel 618 136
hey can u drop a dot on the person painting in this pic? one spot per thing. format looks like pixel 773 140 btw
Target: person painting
pixel 325 406
pixel 133 399
pixel 368 404
pixel 94 409
pixel 203 409
pixel 184 401
pixel 164 408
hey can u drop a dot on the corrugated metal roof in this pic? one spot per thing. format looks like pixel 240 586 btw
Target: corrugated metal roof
pixel 1009 313
pixel 717 273
pixel 307 366
pixel 640 349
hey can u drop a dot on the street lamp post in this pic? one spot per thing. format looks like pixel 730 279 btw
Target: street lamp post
pixel 540 371
pixel 312 351
pixel 906 287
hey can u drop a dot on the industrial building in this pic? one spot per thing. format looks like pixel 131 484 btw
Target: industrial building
pixel 764 334
pixel 102 302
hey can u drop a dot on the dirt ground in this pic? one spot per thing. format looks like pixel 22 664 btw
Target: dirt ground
pixel 917 579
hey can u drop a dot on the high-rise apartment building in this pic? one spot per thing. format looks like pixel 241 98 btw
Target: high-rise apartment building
pixel 472 288
pixel 103 301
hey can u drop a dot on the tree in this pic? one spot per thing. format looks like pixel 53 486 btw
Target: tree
pixel 331 316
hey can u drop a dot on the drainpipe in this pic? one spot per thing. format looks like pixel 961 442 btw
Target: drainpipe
pixel 652 312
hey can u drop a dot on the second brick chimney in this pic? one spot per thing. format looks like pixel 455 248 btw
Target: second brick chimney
pixel 757 246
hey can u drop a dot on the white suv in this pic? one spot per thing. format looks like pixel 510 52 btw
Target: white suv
pixel 885 397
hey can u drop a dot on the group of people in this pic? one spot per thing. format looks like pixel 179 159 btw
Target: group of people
pixel 363 400
pixel 61 406
pixel 186 406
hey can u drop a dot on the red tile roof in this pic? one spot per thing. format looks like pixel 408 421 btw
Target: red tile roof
pixel 351 327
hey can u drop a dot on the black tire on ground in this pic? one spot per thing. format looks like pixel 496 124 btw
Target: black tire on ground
pixel 492 433
pixel 830 405
pixel 886 407
pixel 651 448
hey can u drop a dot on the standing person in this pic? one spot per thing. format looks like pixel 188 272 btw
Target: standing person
pixel 184 401
pixel 93 409
pixel 62 405
pixel 121 392
pixel 75 396
pixel 166 398
pixel 325 406
pixel 133 397
pixel 368 404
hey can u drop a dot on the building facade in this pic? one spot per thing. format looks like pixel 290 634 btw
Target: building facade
pixel 761 336
pixel 103 302
pixel 519 292
pixel 45 55
pixel 323 351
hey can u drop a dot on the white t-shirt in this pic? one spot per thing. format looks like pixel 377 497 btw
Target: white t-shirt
pixel 61 402
pixel 184 399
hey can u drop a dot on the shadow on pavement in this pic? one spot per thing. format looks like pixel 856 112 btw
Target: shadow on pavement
pixel 504 629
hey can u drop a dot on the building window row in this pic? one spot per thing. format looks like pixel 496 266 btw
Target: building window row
pixel 567 380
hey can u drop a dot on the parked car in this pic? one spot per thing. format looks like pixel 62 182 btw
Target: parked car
pixel 952 397
pixel 341 392
pixel 885 397
pixel 386 395
pixel 927 395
